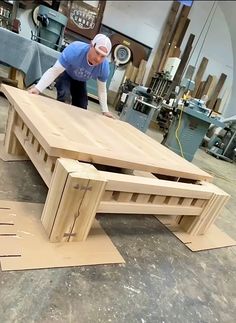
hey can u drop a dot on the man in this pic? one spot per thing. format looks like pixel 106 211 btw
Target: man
pixel 77 63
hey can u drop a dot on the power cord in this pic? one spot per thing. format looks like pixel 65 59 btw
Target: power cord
pixel 176 132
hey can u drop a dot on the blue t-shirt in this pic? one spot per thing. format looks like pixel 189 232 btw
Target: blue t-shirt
pixel 74 59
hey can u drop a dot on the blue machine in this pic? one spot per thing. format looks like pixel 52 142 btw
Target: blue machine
pixel 188 129
pixel 139 108
pixel 50 27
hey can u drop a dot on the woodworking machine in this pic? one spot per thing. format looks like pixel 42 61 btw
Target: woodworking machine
pixel 189 125
pixel 139 107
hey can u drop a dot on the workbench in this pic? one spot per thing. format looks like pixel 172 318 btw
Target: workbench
pixel 28 59
pixel 93 164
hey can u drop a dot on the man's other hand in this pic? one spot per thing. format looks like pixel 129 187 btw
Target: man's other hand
pixel 33 90
pixel 108 114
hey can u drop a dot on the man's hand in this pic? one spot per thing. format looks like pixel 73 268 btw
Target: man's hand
pixel 33 90
pixel 108 114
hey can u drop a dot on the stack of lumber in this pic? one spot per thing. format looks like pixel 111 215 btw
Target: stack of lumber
pixel 169 46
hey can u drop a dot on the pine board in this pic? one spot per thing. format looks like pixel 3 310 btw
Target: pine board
pixel 66 131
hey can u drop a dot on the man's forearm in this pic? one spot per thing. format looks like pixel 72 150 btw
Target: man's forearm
pixel 49 76
pixel 102 95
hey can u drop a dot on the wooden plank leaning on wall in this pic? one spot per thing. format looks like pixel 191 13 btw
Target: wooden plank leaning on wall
pixel 164 40
pixel 177 32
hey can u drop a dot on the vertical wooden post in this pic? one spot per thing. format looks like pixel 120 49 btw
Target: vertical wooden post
pixel 73 198
pixel 199 75
pixel 165 38
pixel 18 76
pixel 175 36
pixel 219 85
pixel 11 143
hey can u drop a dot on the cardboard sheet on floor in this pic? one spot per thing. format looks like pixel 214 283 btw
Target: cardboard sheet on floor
pixel 24 244
pixel 9 157
pixel 213 239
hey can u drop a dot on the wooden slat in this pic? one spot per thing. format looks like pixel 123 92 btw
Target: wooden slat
pixel 122 196
pixel 142 198
pixel 143 208
pixel 107 196
pixel 32 151
pixel 144 185
pixel 158 199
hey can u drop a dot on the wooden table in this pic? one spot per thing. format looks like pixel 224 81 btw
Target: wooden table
pixel 67 145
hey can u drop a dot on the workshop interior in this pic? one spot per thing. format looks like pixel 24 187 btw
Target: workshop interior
pixel 119 219
pixel 175 97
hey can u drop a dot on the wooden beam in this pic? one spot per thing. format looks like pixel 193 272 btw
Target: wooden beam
pixel 181 37
pixel 216 107
pixel 71 205
pixel 164 40
pixel 219 85
pixel 207 85
pixel 199 75
pixel 179 27
pixel 180 70
pixel 199 94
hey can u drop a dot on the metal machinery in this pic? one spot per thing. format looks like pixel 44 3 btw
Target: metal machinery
pixel 50 27
pixel 140 105
pixel 160 86
pixel 139 108
pixel 190 122
pixel 221 143
pixel 124 89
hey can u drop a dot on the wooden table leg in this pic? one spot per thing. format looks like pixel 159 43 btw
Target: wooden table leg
pixel 73 198
pixel 17 75
pixel 11 143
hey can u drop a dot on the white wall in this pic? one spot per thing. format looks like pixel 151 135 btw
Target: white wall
pixel 229 9
pixel 25 17
pixel 141 20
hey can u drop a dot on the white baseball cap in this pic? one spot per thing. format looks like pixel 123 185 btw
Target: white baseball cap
pixel 101 40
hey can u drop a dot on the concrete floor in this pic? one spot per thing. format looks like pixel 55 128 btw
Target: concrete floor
pixel 162 281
